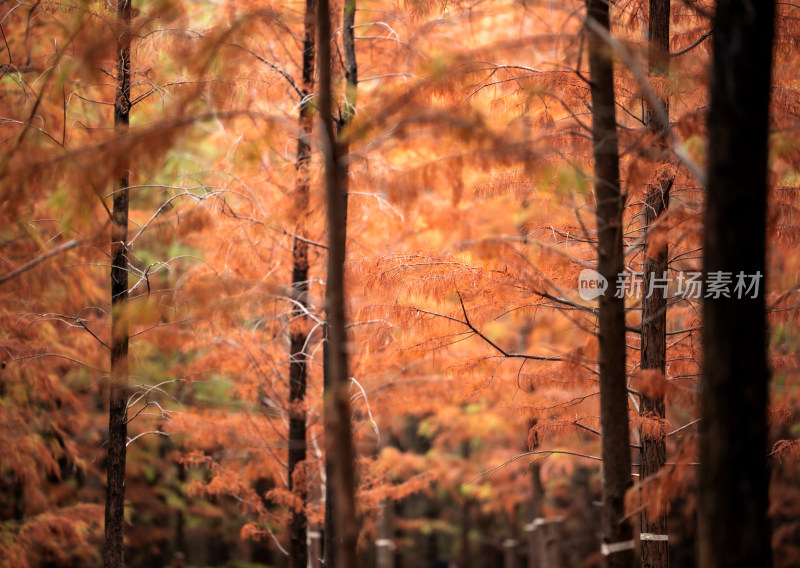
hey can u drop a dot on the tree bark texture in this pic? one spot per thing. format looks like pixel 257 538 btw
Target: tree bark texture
pixel 653 529
pixel 510 545
pixel 534 518
pixel 734 479
pixel 384 547
pixel 339 438
pixel 543 535
pixel 298 359
pixel 114 543
pixel 617 546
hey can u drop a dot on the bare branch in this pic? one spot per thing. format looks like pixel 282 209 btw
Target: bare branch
pixel 694 44
pixel 285 74
pixel 154 432
pixel 543 453
pixel 493 344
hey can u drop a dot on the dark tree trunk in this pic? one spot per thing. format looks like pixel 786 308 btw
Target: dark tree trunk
pixel 617 546
pixel 655 547
pixel 179 545
pixel 339 439
pixel 384 547
pixel 465 551
pixel 544 535
pixel 298 359
pixel 330 534
pixel 543 540
pixel 114 544
pixel 733 525
pixel 532 528
pixel 315 532
pixel 510 544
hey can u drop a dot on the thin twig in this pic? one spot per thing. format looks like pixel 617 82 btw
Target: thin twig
pixel 25 267
pixel 493 344
pixel 694 44
pixel 543 453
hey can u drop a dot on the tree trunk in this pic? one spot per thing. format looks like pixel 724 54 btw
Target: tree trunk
pixel 385 546
pixel 315 548
pixel 533 527
pixel 544 535
pixel 617 545
pixel 114 544
pixel 330 534
pixel 510 544
pixel 733 525
pixel 298 359
pixel 315 531
pixel 339 438
pixel 654 534
pixel 465 550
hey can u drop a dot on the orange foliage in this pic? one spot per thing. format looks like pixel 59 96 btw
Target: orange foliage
pixel 470 217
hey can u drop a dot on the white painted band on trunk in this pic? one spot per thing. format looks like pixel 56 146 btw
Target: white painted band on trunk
pixel 541 521
pixel 614 547
pixel 653 536
pixel 314 534
pixel 510 543
pixel 535 524
pixel 381 542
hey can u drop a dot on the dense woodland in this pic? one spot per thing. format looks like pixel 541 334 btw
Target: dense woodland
pixel 314 283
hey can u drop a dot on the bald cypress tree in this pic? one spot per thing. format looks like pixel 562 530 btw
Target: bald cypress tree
pixel 734 479
pixel 113 550
pixel 655 546
pixel 341 534
pixel 617 547
pixel 298 358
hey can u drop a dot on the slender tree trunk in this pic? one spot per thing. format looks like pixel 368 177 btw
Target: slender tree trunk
pixel 330 534
pixel 733 525
pixel 179 539
pixel 298 359
pixel 510 544
pixel 533 527
pixel 654 534
pixel 339 438
pixel 315 532
pixel 114 545
pixel 617 545
pixel 465 550
pixel 384 547
pixel 544 535
pixel 384 544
